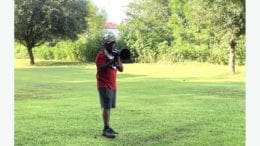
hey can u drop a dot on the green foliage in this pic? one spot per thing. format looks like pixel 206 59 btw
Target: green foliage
pixel 44 52
pixel 241 50
pixel 64 50
pixel 95 32
pixel 94 45
pixel 145 28
pixel 219 56
pixel 154 31
pixel 39 21
pixel 189 30
pixel 84 48
pixel 20 51
pixel 216 24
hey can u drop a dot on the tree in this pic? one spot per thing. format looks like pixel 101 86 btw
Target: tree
pixel 39 21
pixel 213 24
pixel 228 22
pixel 145 27
pixel 95 32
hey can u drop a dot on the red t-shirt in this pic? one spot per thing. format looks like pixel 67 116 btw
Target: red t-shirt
pixel 106 78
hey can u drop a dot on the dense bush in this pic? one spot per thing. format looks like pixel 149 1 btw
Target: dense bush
pixel 241 51
pixel 79 50
pixel 44 52
pixel 20 51
pixel 65 50
pixel 219 56
pixel 94 45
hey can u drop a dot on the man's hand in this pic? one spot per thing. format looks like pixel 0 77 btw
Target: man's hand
pixel 111 62
pixel 119 65
pixel 101 68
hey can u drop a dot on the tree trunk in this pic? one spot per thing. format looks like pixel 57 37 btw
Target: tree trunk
pixel 29 49
pixel 232 57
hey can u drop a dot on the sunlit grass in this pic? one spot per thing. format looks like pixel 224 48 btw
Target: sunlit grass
pixel 188 70
pixel 190 103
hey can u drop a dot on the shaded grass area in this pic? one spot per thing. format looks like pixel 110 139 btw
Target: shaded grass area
pixel 59 105
pixel 24 63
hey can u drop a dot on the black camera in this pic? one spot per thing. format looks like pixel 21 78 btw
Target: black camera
pixel 124 54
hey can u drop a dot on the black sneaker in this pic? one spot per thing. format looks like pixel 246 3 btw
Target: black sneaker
pixel 112 131
pixel 107 133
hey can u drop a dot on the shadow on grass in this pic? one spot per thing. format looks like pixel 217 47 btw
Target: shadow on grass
pixel 125 76
pixel 49 82
pixel 182 87
pixel 59 63
pixel 129 85
pixel 62 63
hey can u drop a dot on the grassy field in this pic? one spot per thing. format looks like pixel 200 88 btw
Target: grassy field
pixel 184 104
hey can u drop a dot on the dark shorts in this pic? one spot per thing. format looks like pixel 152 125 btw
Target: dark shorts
pixel 107 98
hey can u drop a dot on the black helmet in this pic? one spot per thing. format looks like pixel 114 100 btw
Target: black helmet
pixel 108 42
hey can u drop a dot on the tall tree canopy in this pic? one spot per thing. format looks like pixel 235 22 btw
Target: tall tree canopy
pixel 95 32
pixel 38 21
pixel 145 28
pixel 228 19
pixel 212 25
pixel 174 30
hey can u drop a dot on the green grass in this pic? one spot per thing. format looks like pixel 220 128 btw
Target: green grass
pixel 184 104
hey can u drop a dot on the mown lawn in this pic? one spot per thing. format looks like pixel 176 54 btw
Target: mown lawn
pixel 183 104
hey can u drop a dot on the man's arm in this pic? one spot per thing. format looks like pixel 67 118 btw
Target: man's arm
pixel 119 65
pixel 103 67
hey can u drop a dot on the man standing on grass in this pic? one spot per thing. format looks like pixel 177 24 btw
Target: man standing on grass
pixel 107 66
